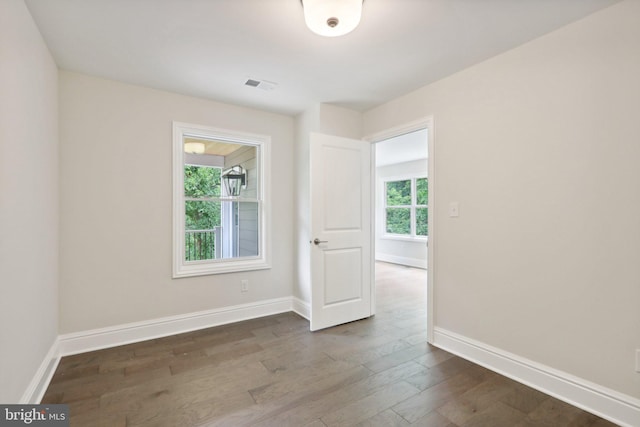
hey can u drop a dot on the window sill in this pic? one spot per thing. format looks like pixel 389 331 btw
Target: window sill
pixel 401 238
pixel 193 269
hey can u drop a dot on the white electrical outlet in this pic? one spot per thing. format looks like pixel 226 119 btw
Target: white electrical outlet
pixel 638 361
pixel 244 285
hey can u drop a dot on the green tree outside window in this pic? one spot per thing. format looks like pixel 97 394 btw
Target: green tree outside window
pixel 406 211
pixel 201 182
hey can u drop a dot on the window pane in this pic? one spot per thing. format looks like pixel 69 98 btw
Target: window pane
pixel 422 190
pixel 201 215
pixel 248 214
pixel 422 221
pixel 399 220
pixel 199 245
pixel 202 223
pixel 399 193
pixel 240 229
pixel 201 181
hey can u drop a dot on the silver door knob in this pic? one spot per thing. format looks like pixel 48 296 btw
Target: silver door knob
pixel 317 241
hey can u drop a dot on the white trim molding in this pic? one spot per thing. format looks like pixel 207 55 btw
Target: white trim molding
pixel 606 403
pixel 40 382
pixel 96 339
pixel 410 262
pixel 422 123
pixel 262 144
pixel 302 308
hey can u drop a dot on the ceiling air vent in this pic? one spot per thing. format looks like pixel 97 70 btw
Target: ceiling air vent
pixel 261 84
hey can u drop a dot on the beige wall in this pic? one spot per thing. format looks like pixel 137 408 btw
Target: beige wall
pixel 28 200
pixel 116 242
pixel 540 147
pixel 306 123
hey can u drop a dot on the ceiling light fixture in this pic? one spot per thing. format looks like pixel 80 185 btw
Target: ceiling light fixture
pixel 331 18
pixel 194 147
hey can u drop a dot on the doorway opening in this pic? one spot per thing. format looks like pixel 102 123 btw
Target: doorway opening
pixel 401 199
pixel 403 207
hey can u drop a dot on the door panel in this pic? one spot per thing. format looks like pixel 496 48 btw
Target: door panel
pixel 341 172
pixel 342 282
pixel 341 261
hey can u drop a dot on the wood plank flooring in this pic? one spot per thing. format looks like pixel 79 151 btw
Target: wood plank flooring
pixel 274 372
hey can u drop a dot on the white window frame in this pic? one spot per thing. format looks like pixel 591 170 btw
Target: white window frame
pixel 412 208
pixel 182 268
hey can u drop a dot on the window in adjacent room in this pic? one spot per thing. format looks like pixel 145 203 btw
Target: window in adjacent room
pixel 220 214
pixel 406 212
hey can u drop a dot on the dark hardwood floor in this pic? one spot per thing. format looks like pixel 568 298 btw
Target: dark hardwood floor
pixel 274 372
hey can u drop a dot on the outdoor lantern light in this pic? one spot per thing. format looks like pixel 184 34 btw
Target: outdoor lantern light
pixel 331 18
pixel 235 179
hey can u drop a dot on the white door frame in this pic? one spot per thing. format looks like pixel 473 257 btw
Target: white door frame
pixel 424 123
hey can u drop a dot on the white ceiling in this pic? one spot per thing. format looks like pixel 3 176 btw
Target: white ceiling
pixel 208 48
pixel 404 148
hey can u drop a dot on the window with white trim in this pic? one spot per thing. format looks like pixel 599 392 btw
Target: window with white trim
pixel 406 208
pixel 220 222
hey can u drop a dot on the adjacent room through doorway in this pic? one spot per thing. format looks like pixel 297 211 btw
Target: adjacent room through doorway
pixel 401 199
pixel 401 230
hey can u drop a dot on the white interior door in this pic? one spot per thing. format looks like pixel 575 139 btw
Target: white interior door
pixel 341 257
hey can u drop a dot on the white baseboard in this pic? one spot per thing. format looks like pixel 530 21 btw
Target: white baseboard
pixel 97 339
pixel 393 259
pixel 38 385
pixel 302 308
pixel 608 404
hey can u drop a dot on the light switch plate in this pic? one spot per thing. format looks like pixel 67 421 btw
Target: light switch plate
pixel 454 209
pixel 638 361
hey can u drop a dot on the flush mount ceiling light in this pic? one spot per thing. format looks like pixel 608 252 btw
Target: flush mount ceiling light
pixel 331 18
pixel 194 147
